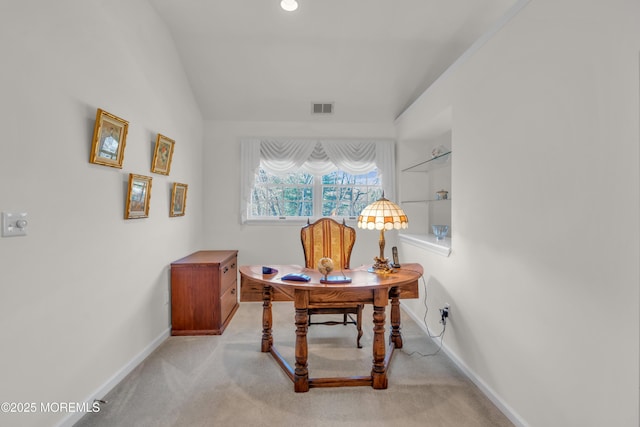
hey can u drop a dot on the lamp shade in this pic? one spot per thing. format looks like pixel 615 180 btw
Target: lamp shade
pixel 383 215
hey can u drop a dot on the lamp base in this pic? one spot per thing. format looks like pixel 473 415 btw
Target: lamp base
pixel 381 266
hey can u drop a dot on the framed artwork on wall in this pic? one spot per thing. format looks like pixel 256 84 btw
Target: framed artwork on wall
pixel 109 139
pixel 138 196
pixel 178 199
pixel 162 155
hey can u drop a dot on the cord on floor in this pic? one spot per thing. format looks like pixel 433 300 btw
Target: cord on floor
pixel 424 319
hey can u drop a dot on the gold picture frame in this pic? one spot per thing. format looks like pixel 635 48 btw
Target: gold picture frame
pixel 109 140
pixel 162 155
pixel 178 199
pixel 138 196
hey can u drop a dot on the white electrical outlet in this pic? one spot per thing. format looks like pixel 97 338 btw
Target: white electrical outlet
pixel 14 224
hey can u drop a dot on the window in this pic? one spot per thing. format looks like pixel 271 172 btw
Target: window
pixel 300 194
pixel 294 179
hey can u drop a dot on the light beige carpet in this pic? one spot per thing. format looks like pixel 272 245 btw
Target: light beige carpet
pixel 226 381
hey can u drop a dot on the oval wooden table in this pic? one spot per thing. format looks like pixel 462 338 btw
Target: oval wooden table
pixel 365 287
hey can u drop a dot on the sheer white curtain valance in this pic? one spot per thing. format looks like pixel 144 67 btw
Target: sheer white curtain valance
pixel 317 157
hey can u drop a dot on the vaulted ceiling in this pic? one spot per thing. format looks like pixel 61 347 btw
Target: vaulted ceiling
pixel 251 60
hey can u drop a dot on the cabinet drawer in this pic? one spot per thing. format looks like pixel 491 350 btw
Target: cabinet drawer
pixel 228 275
pixel 203 292
pixel 228 301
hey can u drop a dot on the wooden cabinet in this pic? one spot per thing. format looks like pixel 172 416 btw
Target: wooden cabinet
pixel 204 292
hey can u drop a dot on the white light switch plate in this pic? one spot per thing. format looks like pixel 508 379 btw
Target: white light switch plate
pixel 14 224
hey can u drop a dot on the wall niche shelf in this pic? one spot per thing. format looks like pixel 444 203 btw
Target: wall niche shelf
pixel 418 192
pixel 428 242
pixel 427 201
pixel 430 164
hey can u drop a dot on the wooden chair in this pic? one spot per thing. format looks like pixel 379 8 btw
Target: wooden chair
pixel 328 238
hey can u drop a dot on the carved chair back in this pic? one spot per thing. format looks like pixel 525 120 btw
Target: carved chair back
pixel 328 238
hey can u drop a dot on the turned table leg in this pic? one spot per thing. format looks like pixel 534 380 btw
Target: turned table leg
pixel 379 371
pixel 267 319
pixel 301 373
pixel 396 337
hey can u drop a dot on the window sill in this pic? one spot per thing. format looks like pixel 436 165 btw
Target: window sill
pixel 428 242
pixel 349 220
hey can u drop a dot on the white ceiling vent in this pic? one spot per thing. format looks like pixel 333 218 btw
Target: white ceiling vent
pixel 322 108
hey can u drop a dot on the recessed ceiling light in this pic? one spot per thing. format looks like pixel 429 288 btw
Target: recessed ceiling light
pixel 289 5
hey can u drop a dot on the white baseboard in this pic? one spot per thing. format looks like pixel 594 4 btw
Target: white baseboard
pixel 479 382
pixel 73 418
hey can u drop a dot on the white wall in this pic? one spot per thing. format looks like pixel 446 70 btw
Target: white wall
pixel 87 291
pixel 543 279
pixel 545 135
pixel 264 244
